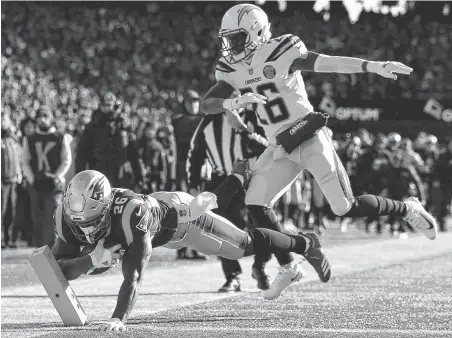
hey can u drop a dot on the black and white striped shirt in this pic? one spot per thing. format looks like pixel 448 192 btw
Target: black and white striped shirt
pixel 215 140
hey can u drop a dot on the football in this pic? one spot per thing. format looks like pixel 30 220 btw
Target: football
pixel 87 250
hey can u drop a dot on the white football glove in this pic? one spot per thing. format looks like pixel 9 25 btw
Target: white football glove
pixel 105 257
pixel 243 101
pixel 113 324
pixel 259 139
pixel 386 69
pixel 234 120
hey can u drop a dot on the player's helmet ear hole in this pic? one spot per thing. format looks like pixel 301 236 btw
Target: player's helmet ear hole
pixel 259 33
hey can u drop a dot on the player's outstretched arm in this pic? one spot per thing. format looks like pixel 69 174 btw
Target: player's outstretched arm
pixel 73 266
pixel 67 257
pixel 218 99
pixel 134 263
pixel 321 63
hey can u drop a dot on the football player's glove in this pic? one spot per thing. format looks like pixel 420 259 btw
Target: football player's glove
pixel 234 120
pixel 388 68
pixel 243 101
pixel 258 138
pixel 114 324
pixel 105 257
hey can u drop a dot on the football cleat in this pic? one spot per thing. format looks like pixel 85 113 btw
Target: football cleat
pixel 288 274
pixel 242 168
pixel 261 277
pixel 231 285
pixel 315 256
pixel 420 219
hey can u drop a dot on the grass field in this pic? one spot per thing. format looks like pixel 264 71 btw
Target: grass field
pixel 381 287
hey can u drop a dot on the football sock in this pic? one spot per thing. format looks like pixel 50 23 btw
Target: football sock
pixel 279 243
pixel 226 191
pixel 266 218
pixel 373 206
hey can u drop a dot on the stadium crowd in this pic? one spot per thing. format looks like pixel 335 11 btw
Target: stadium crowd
pixel 132 65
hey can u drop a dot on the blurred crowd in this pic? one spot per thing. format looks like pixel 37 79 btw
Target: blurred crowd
pixel 385 165
pixel 114 79
pixel 149 53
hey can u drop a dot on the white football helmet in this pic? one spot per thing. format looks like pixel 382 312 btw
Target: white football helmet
pixel 86 202
pixel 243 29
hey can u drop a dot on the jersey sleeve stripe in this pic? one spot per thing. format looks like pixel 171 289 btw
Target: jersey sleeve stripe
pixel 126 215
pixel 283 47
pixel 58 216
pixel 223 67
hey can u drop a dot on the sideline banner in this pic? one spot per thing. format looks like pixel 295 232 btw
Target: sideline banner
pixel 379 110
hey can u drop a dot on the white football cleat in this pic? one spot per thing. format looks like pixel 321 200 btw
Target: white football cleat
pixel 420 219
pixel 288 274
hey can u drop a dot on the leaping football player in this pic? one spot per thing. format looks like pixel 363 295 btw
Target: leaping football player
pixel 105 220
pixel 265 72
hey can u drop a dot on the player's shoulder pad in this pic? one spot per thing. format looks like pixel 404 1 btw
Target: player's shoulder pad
pixel 134 219
pixel 284 44
pixel 222 66
pixel 123 193
pixel 223 71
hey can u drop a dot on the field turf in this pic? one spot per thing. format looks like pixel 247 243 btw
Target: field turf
pixel 381 287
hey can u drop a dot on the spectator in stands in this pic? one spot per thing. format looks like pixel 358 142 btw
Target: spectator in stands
pixel 444 178
pixel 24 221
pixel 11 178
pixel 165 136
pixel 184 124
pixel 46 159
pixel 372 168
pixel 429 153
pixel 109 146
pixel 154 158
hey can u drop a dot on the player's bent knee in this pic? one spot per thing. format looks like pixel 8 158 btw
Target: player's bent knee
pixel 230 251
pixel 340 209
pixel 214 235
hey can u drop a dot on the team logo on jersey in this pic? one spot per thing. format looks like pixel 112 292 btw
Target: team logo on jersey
pixel 269 72
pixel 251 71
pixel 143 223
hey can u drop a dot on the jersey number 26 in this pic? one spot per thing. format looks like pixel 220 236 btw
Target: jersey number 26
pixel 276 109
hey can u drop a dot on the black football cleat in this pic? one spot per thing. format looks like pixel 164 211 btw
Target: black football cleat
pixel 315 256
pixel 231 285
pixel 261 277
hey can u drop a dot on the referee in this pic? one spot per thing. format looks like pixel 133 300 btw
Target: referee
pixel 221 139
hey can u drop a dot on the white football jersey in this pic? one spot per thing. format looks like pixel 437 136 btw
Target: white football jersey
pixel 268 75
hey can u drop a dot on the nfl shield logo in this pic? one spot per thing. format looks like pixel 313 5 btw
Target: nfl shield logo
pixel 251 71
